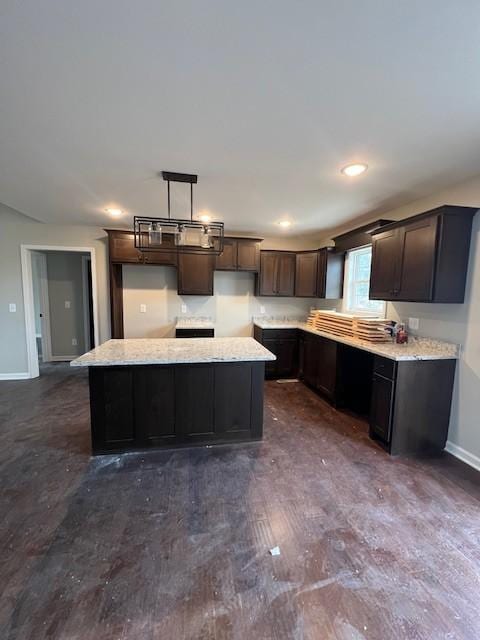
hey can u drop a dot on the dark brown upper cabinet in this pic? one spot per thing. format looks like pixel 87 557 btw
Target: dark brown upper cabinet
pixel 121 247
pixel 195 274
pixel 319 274
pixel 330 273
pixel 306 274
pixel 239 254
pixel 423 258
pixel 277 273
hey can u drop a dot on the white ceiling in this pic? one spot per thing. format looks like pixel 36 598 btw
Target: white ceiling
pixel 265 100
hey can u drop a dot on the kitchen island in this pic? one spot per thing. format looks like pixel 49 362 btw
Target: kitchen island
pixel 148 393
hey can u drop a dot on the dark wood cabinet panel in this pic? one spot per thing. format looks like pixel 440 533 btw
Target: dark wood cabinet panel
pixel 121 247
pixel 248 255
pixel 311 355
pixel 239 254
pixel 383 276
pixel 116 300
pixel 331 264
pixel 168 258
pixel 277 273
pixel 232 412
pixel 111 407
pixel 381 409
pixel 194 333
pixel 327 367
pixel 417 260
pixel 423 258
pixel 143 406
pixel 227 261
pixel 306 272
pixel 154 398
pixel 195 274
pixel 286 363
pixel 194 389
pixel 286 274
pixel 267 278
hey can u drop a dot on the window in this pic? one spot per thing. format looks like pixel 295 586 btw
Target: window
pixel 357 284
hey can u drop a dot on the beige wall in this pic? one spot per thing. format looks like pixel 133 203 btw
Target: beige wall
pixel 458 323
pixel 65 283
pixel 232 306
pixel 16 230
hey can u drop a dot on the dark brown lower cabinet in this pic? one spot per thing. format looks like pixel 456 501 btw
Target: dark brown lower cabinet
pixel 284 344
pixel 320 364
pixel 138 407
pixel 194 333
pixel 410 405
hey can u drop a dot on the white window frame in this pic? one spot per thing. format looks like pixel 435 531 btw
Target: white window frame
pixel 348 307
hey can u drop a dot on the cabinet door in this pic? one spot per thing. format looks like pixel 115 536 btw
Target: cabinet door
pixel 111 406
pixel 121 246
pixel 165 257
pixel 285 274
pixel 310 359
pixel 195 274
pixel 322 273
pixel 248 255
pixel 227 261
pixel 385 264
pixel 306 274
pixel 327 367
pixel 286 363
pixel 195 401
pixel 268 273
pixel 381 410
pixel 154 389
pixel 417 261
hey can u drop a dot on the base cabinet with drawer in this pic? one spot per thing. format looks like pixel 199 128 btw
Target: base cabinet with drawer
pixel 410 404
pixel 284 344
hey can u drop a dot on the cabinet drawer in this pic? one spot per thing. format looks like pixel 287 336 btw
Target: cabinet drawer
pixel 194 333
pixel 278 334
pixel 384 367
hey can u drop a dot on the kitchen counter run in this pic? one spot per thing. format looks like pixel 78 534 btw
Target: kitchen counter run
pixel 417 348
pixel 142 351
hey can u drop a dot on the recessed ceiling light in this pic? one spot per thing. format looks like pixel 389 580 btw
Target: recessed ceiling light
pixel 352 170
pixel 204 217
pixel 115 213
pixel 284 223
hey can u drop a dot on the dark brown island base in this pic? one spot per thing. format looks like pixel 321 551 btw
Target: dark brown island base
pixel 148 393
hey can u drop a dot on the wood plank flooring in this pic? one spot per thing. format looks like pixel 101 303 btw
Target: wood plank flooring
pixel 173 545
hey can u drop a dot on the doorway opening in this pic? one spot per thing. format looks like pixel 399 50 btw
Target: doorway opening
pixel 60 294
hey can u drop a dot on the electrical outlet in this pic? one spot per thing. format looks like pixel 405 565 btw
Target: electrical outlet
pixel 74 342
pixel 413 324
pixel 262 310
pixel 67 304
pixel 12 307
pixel 184 308
pixel 143 308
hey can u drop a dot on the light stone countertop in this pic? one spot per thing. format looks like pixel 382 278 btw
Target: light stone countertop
pixel 134 351
pixel 416 349
pixel 194 323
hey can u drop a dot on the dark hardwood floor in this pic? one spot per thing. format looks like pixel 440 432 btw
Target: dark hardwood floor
pixel 174 544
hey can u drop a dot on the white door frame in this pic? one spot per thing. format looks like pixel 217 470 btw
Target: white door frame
pixel 46 336
pixel 86 301
pixel 27 282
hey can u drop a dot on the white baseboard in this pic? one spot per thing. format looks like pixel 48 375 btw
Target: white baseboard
pixel 61 358
pixel 15 376
pixel 463 455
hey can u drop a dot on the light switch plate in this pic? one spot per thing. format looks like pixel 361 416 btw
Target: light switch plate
pixel 184 308
pixel 12 307
pixel 67 304
pixel 143 308
pixel 262 310
pixel 413 324
pixel 74 342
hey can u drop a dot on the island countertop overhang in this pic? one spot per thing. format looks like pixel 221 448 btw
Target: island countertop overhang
pixel 165 351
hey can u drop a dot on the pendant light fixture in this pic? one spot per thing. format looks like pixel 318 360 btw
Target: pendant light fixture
pixel 175 234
